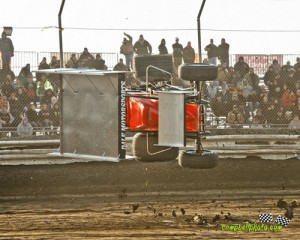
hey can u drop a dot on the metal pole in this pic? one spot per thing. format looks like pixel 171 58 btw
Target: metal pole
pixel 60 33
pixel 199 30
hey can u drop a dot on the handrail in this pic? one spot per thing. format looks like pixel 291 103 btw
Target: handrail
pixel 159 69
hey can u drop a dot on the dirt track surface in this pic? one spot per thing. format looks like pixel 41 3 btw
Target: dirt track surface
pixel 94 200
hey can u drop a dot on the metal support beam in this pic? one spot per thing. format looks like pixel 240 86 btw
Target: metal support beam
pixel 60 29
pixel 199 30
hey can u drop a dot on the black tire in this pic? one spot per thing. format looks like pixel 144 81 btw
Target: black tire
pixel 141 62
pixel 139 149
pixel 197 72
pixel 203 160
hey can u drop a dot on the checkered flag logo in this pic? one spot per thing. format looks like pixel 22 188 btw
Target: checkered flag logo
pixel 266 217
pixel 283 221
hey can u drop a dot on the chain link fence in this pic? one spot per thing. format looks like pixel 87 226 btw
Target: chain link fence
pixel 246 95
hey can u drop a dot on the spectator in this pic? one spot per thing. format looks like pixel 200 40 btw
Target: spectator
pixel 162 47
pixel 295 123
pixel 127 49
pixel 86 55
pixel 24 73
pixel 223 51
pixel 245 88
pixel 72 62
pixel 32 115
pixel 44 82
pixel 120 66
pixel 24 129
pixel 6 118
pixel 297 64
pixel 276 66
pixel 46 99
pixel 45 116
pixel 253 100
pixel 222 73
pixel 142 46
pixel 270 76
pixel 241 66
pixel 288 99
pixel 177 52
pixel 56 114
pixel 54 78
pixel 30 81
pixel 252 78
pixel 54 101
pixel 230 76
pixel 271 114
pixel 6 71
pixel 22 97
pixel 6 48
pixel 7 87
pixel 188 54
pixel 15 105
pixel 287 65
pixel 212 90
pixel 280 119
pixel 219 107
pixel 31 93
pixel 256 124
pixel 260 116
pixel 43 65
pixel 212 52
pixel 235 116
pixel 4 101
pixel 99 63
pixel 291 79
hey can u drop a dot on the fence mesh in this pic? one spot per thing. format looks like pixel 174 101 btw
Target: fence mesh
pixel 253 91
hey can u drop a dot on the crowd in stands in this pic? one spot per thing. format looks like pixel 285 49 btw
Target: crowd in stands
pixel 238 95
pixel 20 97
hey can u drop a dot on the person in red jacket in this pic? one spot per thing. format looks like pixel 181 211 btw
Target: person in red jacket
pixel 288 99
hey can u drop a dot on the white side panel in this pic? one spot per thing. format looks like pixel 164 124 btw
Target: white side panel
pixel 171 122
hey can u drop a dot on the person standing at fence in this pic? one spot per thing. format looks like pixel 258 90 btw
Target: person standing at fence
pixel 177 52
pixel 6 48
pixel 188 53
pixel 162 49
pixel 212 52
pixel 223 52
pixel 127 49
pixel 142 46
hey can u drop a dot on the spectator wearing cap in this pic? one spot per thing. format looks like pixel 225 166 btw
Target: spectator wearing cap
pixel 188 53
pixel 212 52
pixel 142 46
pixel 127 49
pixel 177 52
pixel 223 52
pixel 162 47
